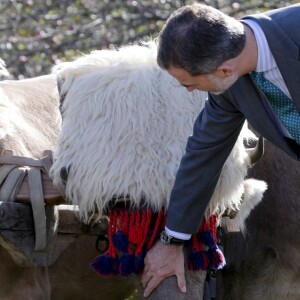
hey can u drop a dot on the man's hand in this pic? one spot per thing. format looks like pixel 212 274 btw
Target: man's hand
pixel 161 262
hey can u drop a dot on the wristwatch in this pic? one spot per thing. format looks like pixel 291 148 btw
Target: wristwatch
pixel 170 240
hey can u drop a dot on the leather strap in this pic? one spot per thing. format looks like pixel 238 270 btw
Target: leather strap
pixel 4 171
pixel 170 240
pixel 44 162
pixel 12 183
pixel 12 173
pixel 38 208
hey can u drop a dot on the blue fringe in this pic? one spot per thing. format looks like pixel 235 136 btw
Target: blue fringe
pixel 126 266
pixel 139 264
pixel 207 239
pixel 102 264
pixel 120 241
pixel 217 259
pixel 199 260
pixel 195 261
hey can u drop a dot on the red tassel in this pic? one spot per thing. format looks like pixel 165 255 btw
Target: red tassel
pixel 193 262
pixel 197 260
pixel 158 225
pixel 139 264
pixel 217 259
pixel 128 232
pixel 213 258
pixel 120 238
pixel 144 229
pixel 126 266
pixel 102 264
pixel 107 263
pixel 208 240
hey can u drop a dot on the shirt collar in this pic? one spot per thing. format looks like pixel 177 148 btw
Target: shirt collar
pixel 265 61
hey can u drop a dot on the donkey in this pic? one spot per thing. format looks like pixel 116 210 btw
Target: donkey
pixel 123 130
pixel 264 262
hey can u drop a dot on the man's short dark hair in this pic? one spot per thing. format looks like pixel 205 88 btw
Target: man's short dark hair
pixel 199 38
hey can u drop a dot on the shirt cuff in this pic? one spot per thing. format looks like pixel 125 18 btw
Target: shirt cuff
pixel 178 235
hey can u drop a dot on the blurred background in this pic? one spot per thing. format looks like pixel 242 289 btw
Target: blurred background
pixel 36 34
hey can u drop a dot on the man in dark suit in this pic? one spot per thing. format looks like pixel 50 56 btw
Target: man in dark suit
pixel 207 50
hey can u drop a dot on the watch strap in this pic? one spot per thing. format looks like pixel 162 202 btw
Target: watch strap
pixel 170 240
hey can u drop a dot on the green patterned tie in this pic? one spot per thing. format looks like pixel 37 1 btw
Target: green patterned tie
pixel 282 105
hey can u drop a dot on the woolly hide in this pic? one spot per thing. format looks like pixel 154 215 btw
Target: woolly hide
pixel 7 110
pixel 253 194
pixel 6 107
pixel 3 71
pixel 30 118
pixel 124 130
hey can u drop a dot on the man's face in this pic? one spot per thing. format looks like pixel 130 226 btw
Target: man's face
pixel 208 82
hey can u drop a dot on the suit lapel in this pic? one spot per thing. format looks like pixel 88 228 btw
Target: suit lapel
pixel 286 54
pixel 290 71
pixel 253 104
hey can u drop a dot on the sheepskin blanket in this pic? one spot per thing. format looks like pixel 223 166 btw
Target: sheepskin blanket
pixel 3 71
pixel 6 107
pixel 124 130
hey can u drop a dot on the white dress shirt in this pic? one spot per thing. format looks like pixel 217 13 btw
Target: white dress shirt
pixel 267 64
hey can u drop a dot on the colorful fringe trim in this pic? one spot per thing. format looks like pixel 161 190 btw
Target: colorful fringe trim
pixel 205 251
pixel 130 239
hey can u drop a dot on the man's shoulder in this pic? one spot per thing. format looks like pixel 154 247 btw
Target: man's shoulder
pixel 291 11
pixel 283 15
pixel 279 24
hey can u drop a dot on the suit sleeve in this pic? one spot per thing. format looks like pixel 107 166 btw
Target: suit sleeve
pixel 215 132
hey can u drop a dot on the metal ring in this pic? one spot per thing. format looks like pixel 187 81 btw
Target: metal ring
pixel 100 239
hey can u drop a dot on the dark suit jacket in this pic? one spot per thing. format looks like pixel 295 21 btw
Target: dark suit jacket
pixel 218 125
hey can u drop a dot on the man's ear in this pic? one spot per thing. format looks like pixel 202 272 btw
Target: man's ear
pixel 224 70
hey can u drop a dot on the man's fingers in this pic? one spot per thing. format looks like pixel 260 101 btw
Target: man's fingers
pixel 181 282
pixel 146 278
pixel 147 266
pixel 152 284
